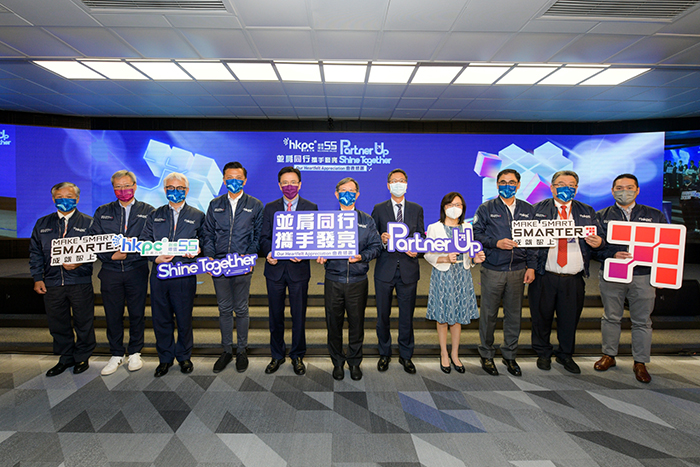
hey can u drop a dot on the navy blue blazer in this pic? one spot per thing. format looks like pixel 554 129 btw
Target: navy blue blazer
pixel 298 272
pixel 385 269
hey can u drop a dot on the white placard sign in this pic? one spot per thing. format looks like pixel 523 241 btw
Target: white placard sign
pixel 72 250
pixel 545 233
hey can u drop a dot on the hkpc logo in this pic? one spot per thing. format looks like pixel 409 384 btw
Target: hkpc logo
pixel 659 246
pixel 299 145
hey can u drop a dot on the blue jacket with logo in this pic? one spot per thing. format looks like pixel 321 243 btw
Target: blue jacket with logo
pixel 108 219
pixel 582 214
pixel 640 213
pixel 159 225
pixel 369 246
pixel 49 228
pixel 492 222
pixel 242 236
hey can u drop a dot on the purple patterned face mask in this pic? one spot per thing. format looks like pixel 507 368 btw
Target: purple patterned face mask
pixel 290 191
pixel 124 194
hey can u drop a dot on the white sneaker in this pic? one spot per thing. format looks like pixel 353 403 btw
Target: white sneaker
pixel 112 366
pixel 135 362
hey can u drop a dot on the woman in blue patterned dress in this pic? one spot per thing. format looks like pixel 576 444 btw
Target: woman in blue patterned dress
pixel 451 300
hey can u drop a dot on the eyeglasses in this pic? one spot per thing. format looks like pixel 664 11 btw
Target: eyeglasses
pixel 562 185
pixel 398 180
pixel 454 205
pixel 509 183
pixel 287 183
pixel 123 187
pixel 178 188
pixel 347 191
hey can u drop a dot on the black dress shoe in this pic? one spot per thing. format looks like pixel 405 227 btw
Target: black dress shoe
pixel 488 366
pixel 338 373
pixel 383 363
pixel 299 367
pixel 355 372
pixel 458 369
pixel 186 366
pixel 162 369
pixel 408 365
pixel 271 367
pixel 445 369
pixel 80 367
pixel 222 361
pixel 58 369
pixel 544 363
pixel 569 364
pixel 513 367
pixel 241 361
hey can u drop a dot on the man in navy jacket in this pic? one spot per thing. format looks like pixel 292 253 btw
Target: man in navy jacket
pixel 280 275
pixel 640 293
pixel 346 287
pixel 505 272
pixel 173 298
pixel 233 225
pixel 559 284
pixel 123 278
pixel 397 271
pixel 64 287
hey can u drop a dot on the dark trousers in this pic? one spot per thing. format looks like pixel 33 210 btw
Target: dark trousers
pixel 298 294
pixel 58 302
pixel 563 294
pixel 171 302
pixel 232 295
pixel 496 286
pixel 119 288
pixel 341 298
pixel 406 296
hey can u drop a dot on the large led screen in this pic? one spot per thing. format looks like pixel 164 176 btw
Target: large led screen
pixel 436 164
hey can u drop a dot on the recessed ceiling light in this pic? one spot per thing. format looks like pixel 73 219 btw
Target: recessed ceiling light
pixel 570 76
pixel 115 69
pixel 69 69
pixel 390 74
pixel 479 74
pixel 253 71
pixel 614 76
pixel 344 73
pixel 208 71
pixel 306 72
pixel 162 71
pixel 526 74
pixel 435 74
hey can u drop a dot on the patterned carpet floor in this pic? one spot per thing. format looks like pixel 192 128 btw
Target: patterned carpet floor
pixel 543 419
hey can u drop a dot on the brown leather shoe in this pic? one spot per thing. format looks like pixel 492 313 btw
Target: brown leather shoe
pixel 605 362
pixel 641 373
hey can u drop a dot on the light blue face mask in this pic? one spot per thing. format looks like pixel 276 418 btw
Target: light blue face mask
pixel 347 198
pixel 234 185
pixel 175 196
pixel 566 193
pixel 507 191
pixel 66 204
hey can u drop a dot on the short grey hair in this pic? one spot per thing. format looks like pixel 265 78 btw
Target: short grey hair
pixel 62 185
pixel 123 173
pixel 570 173
pixel 174 176
pixel 347 180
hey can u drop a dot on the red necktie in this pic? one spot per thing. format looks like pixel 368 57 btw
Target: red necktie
pixel 289 206
pixel 562 247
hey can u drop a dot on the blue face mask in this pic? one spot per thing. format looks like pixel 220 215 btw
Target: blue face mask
pixel 347 198
pixel 234 186
pixel 566 193
pixel 66 204
pixel 175 196
pixel 507 191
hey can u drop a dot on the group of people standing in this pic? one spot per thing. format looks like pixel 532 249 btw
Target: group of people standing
pixel 236 222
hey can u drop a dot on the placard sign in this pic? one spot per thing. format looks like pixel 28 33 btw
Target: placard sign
pixel 461 241
pixel 659 246
pixel 231 265
pixel 313 234
pixel 73 250
pixel 545 233
pixel 160 247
